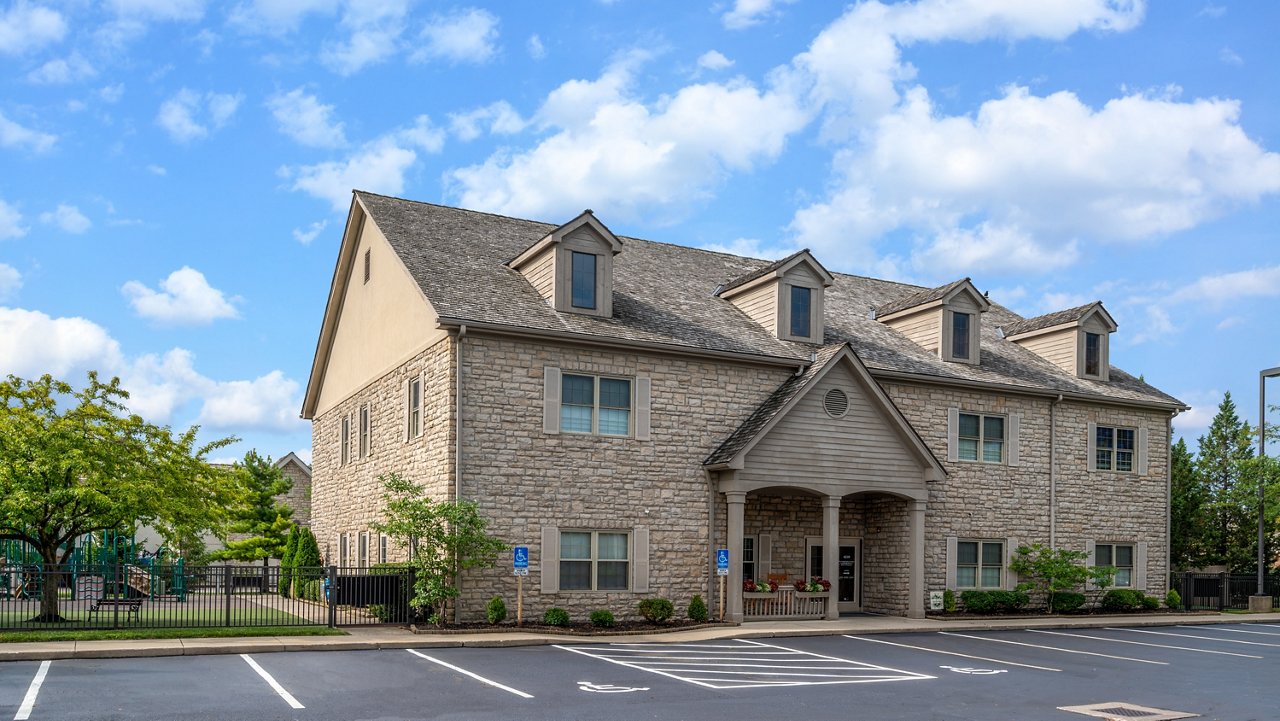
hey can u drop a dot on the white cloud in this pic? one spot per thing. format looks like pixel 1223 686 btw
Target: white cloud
pixel 1230 321
pixel 276 16
pixel 111 93
pixel 157 170
pixel 1230 57
pixel 714 60
pixel 10 222
pixel 184 298
pixel 1204 406
pixel 32 344
pixel 750 248
pixel 373 36
pixel 10 281
pixel 746 13
pixel 25 27
pixel 991 248
pixel 144 10
pixel 304 454
pixel 270 401
pixel 1051 302
pixel 311 233
pixel 68 218
pixel 1221 289
pixel 1154 325
pixel 60 71
pixel 306 120
pixel 536 49
pixel 463 36
pixel 498 118
pixel 13 135
pixel 189 115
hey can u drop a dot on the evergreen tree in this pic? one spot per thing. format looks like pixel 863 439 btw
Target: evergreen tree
pixel 307 563
pixel 263 519
pixel 1188 520
pixel 287 561
pixel 1224 466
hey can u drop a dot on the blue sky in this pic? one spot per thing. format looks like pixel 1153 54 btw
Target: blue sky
pixel 176 173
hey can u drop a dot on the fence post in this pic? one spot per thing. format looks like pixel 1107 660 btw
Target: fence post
pixel 226 584
pixel 331 590
pixel 1224 591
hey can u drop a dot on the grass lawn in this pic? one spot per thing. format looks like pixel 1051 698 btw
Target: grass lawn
pixel 144 633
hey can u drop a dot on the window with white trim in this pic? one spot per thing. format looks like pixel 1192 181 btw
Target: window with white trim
pixel 595 560
pixel 364 551
pixel 981 438
pixel 980 564
pixel 1119 556
pixel 414 401
pixel 344 442
pixel 595 404
pixel 363 431
pixel 1114 448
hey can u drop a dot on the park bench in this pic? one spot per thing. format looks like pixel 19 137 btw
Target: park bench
pixel 132 607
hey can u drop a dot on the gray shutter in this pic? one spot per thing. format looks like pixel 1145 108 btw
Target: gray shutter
pixel 640 564
pixel 953 434
pixel 642 409
pixel 1093 446
pixel 1090 548
pixel 1141 464
pixel 404 397
pixel 1140 566
pixel 1010 578
pixel 1015 423
pixel 765 556
pixel 550 560
pixel 951 561
pixel 550 400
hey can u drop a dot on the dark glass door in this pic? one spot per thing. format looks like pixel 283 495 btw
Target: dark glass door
pixel 847 581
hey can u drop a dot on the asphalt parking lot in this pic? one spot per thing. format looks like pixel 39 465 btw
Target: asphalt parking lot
pixel 1223 671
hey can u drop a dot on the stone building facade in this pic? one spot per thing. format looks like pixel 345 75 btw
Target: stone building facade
pixel 716 402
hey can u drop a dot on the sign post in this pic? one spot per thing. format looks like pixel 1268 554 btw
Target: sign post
pixel 520 560
pixel 722 571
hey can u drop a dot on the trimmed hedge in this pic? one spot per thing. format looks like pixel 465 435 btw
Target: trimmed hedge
pixel 656 610
pixel 496 611
pixel 556 616
pixel 994 601
pixel 1066 601
pixel 698 609
pixel 602 618
pixel 1173 600
pixel 1122 600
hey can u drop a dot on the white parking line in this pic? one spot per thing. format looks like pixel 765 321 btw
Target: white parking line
pixel 477 677
pixel 1231 630
pixel 1202 638
pixel 29 701
pixel 1056 648
pixel 1140 643
pixel 288 697
pixel 953 653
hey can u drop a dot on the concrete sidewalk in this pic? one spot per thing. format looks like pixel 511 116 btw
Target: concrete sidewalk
pixel 390 637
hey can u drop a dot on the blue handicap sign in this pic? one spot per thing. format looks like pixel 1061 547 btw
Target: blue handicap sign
pixel 521 557
pixel 722 558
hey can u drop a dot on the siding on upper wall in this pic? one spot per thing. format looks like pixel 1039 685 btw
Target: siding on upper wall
pixel 541 273
pixel 924 328
pixel 857 451
pixel 761 305
pixel 1059 348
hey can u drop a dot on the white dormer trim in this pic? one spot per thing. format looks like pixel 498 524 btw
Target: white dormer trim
pixel 548 264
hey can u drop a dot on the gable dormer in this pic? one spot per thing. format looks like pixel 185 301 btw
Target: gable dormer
pixel 786 296
pixel 1077 340
pixel 946 320
pixel 572 266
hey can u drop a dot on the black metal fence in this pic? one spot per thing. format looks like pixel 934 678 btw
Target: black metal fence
pixel 1222 591
pixel 176 596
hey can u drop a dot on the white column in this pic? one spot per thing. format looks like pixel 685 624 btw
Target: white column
pixel 831 551
pixel 736 501
pixel 915 604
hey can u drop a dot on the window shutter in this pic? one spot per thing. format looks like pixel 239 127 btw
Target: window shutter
pixel 404 395
pixel 550 562
pixel 1140 566
pixel 1015 423
pixel 642 409
pixel 1141 464
pixel 1090 547
pixel 765 556
pixel 1010 578
pixel 550 400
pixel 953 434
pixel 951 562
pixel 640 564
pixel 1093 446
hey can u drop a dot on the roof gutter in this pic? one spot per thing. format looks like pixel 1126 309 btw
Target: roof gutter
pixel 1023 390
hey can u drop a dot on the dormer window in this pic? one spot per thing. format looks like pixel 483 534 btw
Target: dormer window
pixel 1077 340
pixel 946 321
pixel 583 293
pixel 785 297
pixel 801 309
pixel 1092 354
pixel 960 323
pixel 572 266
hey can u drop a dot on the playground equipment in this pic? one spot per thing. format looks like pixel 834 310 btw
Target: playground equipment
pixel 101 564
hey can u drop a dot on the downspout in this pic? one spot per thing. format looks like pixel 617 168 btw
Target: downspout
pixel 1053 472
pixel 711 542
pixel 457 454
pixel 1168 503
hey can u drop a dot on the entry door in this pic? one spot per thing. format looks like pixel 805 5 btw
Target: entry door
pixel 848 581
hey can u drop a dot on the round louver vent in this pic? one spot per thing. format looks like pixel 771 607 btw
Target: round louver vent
pixel 836 403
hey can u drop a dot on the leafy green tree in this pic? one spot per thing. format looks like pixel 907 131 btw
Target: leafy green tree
pixel 263 518
pixel 1049 571
pixel 75 461
pixel 1223 465
pixel 450 538
pixel 286 561
pixel 1188 522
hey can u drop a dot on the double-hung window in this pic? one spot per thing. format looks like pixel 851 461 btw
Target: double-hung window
pixel 382 549
pixel 583 281
pixel 980 564
pixel 1114 448
pixel 363 430
pixel 344 441
pixel 981 438
pixel 749 557
pixel 595 404
pixel 594 560
pixel 414 402
pixel 1119 556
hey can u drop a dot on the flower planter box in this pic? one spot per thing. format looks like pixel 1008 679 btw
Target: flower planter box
pixel 785 603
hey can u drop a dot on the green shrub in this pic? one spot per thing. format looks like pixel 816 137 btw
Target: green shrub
pixel 389 569
pixel 656 610
pixel 949 601
pixel 1122 600
pixel 978 601
pixel 602 618
pixel 1150 603
pixel 286 562
pixel 313 590
pixel 1067 601
pixel 380 612
pixel 496 611
pixel 698 609
pixel 1173 600
pixel 1010 600
pixel 556 616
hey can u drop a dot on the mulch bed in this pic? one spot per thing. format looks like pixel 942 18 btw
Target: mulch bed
pixel 967 616
pixel 621 628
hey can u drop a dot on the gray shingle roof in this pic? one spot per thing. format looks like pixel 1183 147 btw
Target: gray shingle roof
pixel 662 293
pixel 1048 320
pixel 925 296
pixel 752 275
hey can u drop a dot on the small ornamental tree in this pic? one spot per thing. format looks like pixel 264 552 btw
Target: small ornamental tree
pixel 306 562
pixel 450 538
pixel 286 561
pixel 1049 570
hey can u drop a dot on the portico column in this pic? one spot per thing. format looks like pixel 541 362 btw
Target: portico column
pixel 831 551
pixel 915 604
pixel 737 501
